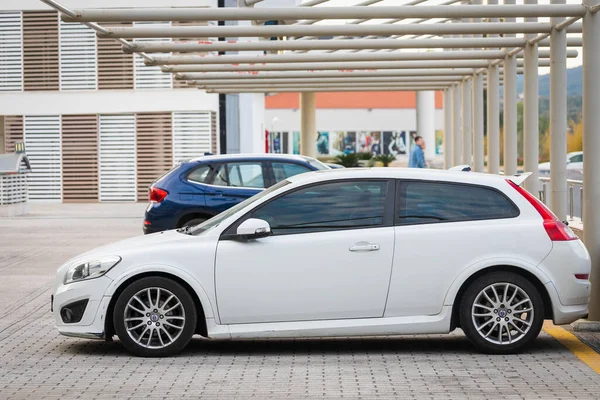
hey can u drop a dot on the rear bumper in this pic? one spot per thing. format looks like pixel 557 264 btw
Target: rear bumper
pixel 562 314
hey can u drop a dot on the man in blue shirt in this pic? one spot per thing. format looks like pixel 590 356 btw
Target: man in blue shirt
pixel 417 157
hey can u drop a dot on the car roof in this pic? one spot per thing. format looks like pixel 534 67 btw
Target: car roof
pixel 399 173
pixel 251 156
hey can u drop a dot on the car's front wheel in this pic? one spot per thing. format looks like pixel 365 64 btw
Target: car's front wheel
pixel 154 317
pixel 501 312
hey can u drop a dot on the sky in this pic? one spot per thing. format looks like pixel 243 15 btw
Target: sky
pixel 571 62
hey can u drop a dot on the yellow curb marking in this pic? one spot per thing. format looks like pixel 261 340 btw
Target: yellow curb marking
pixel 577 347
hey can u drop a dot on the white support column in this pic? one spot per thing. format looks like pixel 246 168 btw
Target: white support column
pixel 426 121
pixel 478 157
pixel 308 125
pixel 510 115
pixel 591 146
pixel 493 120
pixel 448 127
pixel 558 119
pixel 456 126
pixel 467 122
pixel 252 122
pixel 531 129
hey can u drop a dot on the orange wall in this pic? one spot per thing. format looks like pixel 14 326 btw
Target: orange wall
pixel 352 100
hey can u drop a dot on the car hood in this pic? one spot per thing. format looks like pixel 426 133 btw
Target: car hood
pixel 132 245
pixel 545 165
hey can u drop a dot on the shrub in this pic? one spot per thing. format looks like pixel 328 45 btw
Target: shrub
pixel 385 159
pixel 347 160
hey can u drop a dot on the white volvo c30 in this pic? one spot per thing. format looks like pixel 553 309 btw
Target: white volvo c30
pixel 349 252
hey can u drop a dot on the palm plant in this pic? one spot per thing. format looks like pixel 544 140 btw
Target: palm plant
pixel 347 160
pixel 385 159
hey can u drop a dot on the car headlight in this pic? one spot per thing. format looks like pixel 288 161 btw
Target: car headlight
pixel 90 270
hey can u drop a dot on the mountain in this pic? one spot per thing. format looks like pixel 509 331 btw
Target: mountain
pixel 574 83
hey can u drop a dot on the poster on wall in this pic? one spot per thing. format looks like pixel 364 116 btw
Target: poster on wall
pixel 369 142
pixel 342 142
pixel 323 143
pixel 296 142
pixel 275 142
pixel 394 143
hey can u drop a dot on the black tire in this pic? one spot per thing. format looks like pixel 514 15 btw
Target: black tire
pixel 180 337
pixel 507 312
pixel 193 222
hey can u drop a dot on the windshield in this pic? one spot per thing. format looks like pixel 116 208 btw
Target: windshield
pixel 316 163
pixel 217 219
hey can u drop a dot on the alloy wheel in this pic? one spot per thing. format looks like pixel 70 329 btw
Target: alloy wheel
pixel 502 313
pixel 154 318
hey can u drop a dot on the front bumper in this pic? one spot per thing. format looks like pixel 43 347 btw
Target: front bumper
pixel 92 324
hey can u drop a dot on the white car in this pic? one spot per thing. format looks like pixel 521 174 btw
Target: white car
pixel 574 162
pixel 348 252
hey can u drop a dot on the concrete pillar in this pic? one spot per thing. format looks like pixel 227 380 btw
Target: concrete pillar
pixel 510 115
pixel 478 157
pixel 448 127
pixel 493 120
pixel 558 119
pixel 308 124
pixel 467 122
pixel 591 147
pixel 2 136
pixel 531 130
pixel 456 126
pixel 252 122
pixel 426 121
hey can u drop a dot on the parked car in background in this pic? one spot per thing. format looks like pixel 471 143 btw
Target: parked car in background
pixel 380 251
pixel 199 189
pixel 574 162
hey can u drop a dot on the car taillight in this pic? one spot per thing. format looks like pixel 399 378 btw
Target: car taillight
pixel 557 231
pixel 157 195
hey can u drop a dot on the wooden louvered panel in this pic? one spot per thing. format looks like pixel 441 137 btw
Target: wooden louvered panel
pixel 80 158
pixel 117 157
pixel 11 51
pixel 181 84
pixel 42 144
pixel 77 57
pixel 13 132
pixel 154 149
pixel 40 50
pixel 191 135
pixel 115 68
pixel 214 139
pixel 151 77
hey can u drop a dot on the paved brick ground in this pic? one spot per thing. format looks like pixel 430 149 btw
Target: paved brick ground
pixel 35 362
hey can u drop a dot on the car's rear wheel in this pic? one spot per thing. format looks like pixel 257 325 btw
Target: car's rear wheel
pixel 154 317
pixel 501 312
pixel 193 222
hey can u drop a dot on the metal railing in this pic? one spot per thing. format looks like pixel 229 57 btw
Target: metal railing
pixel 572 185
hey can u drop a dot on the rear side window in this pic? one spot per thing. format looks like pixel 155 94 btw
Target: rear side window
pixel 200 174
pixel 421 202
pixel 283 170
pixel 241 174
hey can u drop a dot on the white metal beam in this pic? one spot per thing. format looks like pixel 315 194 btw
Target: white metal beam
pixel 325 89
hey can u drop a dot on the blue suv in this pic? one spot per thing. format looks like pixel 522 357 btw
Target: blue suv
pixel 199 189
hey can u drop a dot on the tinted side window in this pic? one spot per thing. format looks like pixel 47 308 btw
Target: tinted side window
pixel 576 158
pixel 427 202
pixel 200 174
pixel 245 175
pixel 329 206
pixel 285 170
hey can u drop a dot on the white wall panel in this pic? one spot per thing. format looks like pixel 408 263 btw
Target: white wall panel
pixel 11 51
pixel 117 158
pixel 151 77
pixel 191 134
pixel 43 146
pixel 78 69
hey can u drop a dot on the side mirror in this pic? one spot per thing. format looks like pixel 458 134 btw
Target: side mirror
pixel 254 228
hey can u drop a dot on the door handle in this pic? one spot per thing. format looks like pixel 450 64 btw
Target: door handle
pixel 364 247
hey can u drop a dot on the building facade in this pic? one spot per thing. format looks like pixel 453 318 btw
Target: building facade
pixel 98 124
pixel 349 122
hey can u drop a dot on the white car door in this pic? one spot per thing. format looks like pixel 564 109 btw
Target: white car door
pixel 329 256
